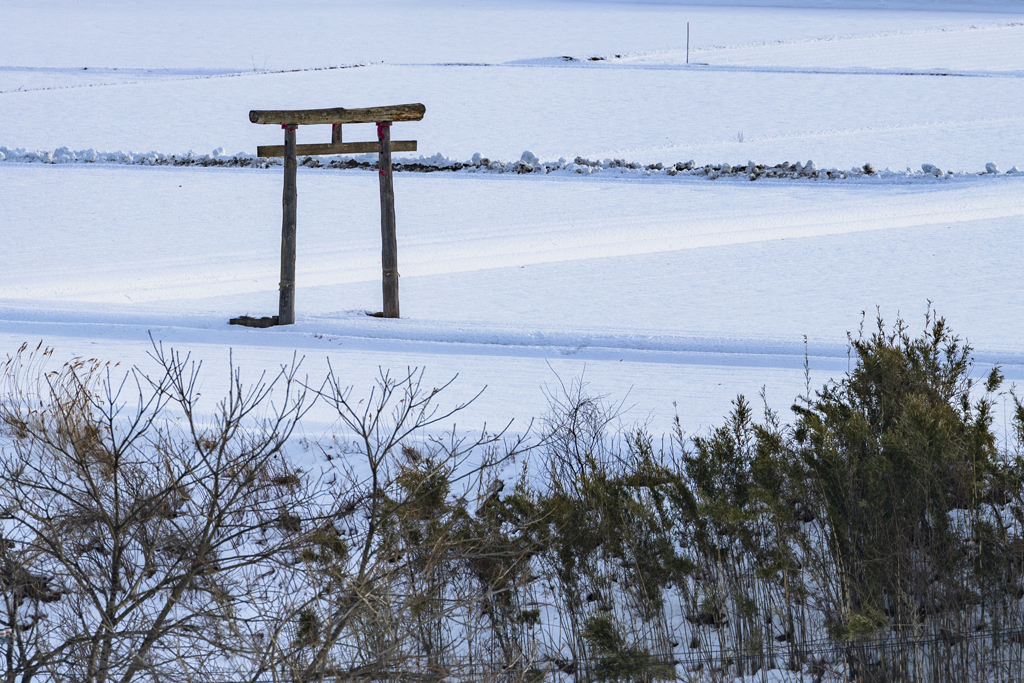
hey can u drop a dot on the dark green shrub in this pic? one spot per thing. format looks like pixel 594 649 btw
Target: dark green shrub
pixel 893 450
pixel 615 660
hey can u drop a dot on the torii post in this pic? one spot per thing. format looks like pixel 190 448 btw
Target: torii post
pixel 292 119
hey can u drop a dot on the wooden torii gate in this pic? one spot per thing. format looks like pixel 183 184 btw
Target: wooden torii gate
pixel 290 120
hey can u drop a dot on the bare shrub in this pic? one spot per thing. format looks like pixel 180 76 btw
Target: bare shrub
pixel 140 540
pixel 608 556
pixel 403 593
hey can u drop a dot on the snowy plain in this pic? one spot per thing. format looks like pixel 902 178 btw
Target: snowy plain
pixel 672 294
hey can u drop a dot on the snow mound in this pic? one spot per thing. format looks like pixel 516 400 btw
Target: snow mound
pixel 528 164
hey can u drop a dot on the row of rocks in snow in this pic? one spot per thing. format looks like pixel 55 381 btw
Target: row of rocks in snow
pixel 527 164
pixel 64 155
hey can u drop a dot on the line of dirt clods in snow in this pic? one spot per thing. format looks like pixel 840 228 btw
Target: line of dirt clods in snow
pixel 528 164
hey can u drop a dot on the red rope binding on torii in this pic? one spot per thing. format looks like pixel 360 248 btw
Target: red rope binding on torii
pixel 381 125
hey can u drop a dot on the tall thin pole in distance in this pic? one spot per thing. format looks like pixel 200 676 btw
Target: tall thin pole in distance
pixel 286 305
pixel 389 241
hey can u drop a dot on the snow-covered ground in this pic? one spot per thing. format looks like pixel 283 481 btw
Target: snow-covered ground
pixel 564 109
pixel 658 290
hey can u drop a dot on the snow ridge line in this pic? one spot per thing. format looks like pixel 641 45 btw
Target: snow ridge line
pixel 654 346
pixel 355 329
pixel 800 70
pixel 528 164
pixel 157 74
pixel 566 61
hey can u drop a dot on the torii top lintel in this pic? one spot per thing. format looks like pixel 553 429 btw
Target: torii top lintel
pixel 338 115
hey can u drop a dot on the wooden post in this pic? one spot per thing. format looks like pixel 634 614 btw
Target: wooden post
pixel 389 242
pixel 336 134
pixel 286 307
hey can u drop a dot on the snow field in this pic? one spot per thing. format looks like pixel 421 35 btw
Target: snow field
pixel 628 283
pixel 981 47
pixel 660 272
pixel 838 120
pixel 260 35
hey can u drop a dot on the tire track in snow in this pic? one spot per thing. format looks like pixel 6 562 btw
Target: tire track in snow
pixel 144 75
pixel 562 62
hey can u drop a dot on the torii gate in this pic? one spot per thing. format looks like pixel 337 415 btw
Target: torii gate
pixel 292 119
